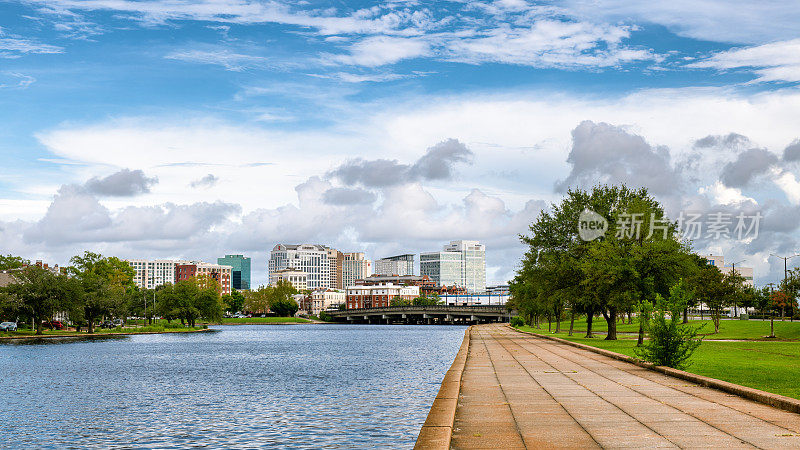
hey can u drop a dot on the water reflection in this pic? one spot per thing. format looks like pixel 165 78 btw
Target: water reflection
pixel 332 386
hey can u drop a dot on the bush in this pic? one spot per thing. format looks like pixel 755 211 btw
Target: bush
pixel 671 343
pixel 325 317
pixel 517 322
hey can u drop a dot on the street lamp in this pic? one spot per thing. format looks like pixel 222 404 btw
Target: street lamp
pixel 785 270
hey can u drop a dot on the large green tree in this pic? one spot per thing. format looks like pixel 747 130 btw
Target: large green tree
pixel 105 282
pixel 39 293
pixel 10 262
pixel 638 257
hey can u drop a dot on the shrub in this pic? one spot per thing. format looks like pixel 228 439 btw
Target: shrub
pixel 671 343
pixel 325 317
pixel 517 322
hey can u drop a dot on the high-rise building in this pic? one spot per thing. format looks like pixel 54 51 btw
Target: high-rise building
pixel 335 259
pixel 309 258
pixel 462 263
pixel 152 274
pixel 399 265
pixel 240 273
pixel 355 267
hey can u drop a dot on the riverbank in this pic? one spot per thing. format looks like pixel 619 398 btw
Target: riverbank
pixel 263 320
pixel 49 334
pixel 767 365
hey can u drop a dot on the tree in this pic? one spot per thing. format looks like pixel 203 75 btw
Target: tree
pixel 105 283
pixel 257 301
pixel 234 302
pixel 10 262
pixel 608 275
pixel 39 293
pixel 281 301
pixel 710 290
pixel 671 343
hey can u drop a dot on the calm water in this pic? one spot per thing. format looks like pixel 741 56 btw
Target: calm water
pixel 301 386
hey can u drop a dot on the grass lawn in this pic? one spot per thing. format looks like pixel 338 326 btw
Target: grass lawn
pixel 256 320
pixel 728 329
pixel 767 365
pixel 100 331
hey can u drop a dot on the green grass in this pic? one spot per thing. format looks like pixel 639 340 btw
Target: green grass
pixel 264 320
pixel 728 329
pixel 132 330
pixel 767 365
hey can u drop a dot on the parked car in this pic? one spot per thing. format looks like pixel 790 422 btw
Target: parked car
pixel 54 325
pixel 118 323
pixel 107 324
pixel 8 326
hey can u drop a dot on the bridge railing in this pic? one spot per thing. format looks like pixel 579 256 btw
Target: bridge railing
pixel 430 308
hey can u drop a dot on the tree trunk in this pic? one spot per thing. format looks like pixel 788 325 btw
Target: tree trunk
pixel 611 320
pixel 549 324
pixel 715 318
pixel 772 325
pixel 558 321
pixel 589 317
pixel 640 341
pixel 571 321
pixel 686 315
pixel 90 326
pixel 39 326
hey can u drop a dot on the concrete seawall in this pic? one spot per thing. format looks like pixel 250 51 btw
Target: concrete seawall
pixel 438 427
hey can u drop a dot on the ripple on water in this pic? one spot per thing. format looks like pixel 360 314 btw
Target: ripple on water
pixel 331 386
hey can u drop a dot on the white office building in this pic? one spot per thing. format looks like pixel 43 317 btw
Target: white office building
pixel 399 265
pixel 462 263
pixel 322 300
pixel 308 258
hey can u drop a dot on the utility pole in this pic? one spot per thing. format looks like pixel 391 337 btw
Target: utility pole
pixel 733 270
pixel 784 288
pixel 771 312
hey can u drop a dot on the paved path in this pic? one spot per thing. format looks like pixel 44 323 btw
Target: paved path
pixel 521 391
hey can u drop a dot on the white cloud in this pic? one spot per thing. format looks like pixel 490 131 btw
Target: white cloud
pixel 777 61
pixel 381 50
pixel 15 80
pixel 14 47
pixel 232 61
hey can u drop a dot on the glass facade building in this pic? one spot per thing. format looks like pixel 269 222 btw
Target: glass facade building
pixel 240 270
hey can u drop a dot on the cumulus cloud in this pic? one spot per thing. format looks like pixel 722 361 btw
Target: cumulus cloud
pixel 125 183
pixel 347 196
pixel 749 164
pixel 792 152
pixel 206 182
pixel 730 140
pixel 436 164
pixel 604 153
pixel 76 216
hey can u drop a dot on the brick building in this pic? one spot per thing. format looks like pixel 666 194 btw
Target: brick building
pixel 378 295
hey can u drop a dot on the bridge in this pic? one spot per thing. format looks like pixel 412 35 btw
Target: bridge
pixel 425 315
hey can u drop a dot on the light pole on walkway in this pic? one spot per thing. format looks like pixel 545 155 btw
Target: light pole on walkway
pixel 733 270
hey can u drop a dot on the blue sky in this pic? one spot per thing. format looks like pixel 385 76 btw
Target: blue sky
pixel 232 121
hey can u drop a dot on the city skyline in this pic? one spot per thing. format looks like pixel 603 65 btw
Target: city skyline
pixel 142 128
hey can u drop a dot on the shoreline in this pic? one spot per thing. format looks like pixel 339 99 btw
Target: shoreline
pixel 84 335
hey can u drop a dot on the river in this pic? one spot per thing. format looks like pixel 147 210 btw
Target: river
pixel 275 386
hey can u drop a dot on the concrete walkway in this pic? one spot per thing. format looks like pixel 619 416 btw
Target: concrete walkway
pixel 521 391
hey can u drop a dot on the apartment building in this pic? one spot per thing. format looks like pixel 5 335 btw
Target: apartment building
pixel 152 274
pixel 308 258
pixel 400 265
pixel 461 263
pixel 322 300
pixel 378 296
pixel 355 267
pixel 222 274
